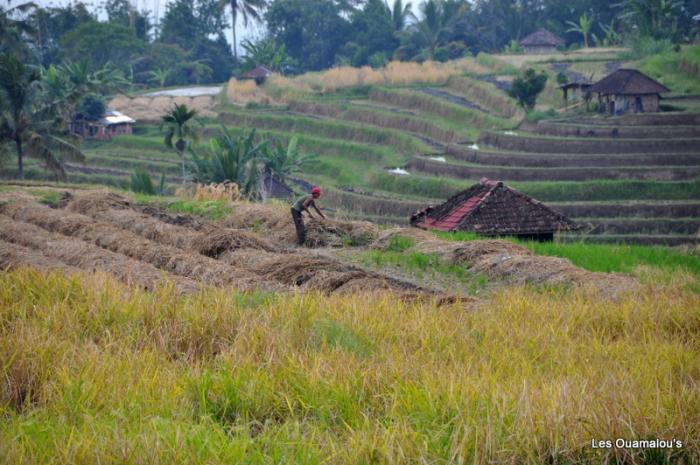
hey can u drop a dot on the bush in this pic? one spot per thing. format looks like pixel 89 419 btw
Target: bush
pixel 642 47
pixel 527 87
pixel 142 183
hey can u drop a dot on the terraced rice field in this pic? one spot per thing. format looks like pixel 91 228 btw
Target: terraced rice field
pixel 448 136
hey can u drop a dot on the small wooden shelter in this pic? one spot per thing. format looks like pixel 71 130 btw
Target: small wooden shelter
pixel 272 186
pixel 628 90
pixel 259 74
pixel 576 91
pixel 113 123
pixel 541 41
pixel 491 208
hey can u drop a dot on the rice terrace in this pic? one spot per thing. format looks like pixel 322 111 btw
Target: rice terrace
pixel 370 232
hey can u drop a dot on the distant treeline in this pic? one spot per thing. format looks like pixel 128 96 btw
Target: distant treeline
pixel 188 44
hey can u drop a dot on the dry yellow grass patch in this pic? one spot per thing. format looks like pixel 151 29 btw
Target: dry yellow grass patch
pixel 93 372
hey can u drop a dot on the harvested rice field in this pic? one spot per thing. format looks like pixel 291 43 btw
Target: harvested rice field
pixel 133 334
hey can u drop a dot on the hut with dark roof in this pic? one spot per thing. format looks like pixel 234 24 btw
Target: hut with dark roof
pixel 272 186
pixel 258 74
pixel 491 208
pixel 541 41
pixel 628 90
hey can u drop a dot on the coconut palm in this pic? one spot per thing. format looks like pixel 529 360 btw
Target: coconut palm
pixel 179 133
pixel 584 26
pixel 13 27
pixel 653 17
pixel 400 14
pixel 160 75
pixel 247 9
pixel 438 20
pixel 31 126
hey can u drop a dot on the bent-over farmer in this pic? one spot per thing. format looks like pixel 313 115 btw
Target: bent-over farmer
pixel 303 205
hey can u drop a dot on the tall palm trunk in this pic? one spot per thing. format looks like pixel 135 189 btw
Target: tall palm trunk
pixel 234 15
pixel 20 165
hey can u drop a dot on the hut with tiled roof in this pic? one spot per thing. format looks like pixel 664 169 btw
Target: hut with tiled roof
pixel 491 208
pixel 258 74
pixel 541 41
pixel 627 91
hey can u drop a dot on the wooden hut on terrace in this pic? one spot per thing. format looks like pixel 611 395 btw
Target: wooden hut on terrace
pixel 576 91
pixel 628 90
pixel 113 123
pixel 541 41
pixel 492 209
pixel 259 74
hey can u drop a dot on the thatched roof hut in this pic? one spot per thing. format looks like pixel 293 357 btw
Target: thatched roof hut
pixel 541 41
pixel 494 209
pixel 259 74
pixel 628 90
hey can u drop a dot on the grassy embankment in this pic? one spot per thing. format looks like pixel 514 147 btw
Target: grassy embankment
pixel 607 258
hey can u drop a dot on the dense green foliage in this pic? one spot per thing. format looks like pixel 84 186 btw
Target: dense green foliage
pixel 527 87
pixel 188 45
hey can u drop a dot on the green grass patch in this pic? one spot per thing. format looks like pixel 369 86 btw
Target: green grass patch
pixel 423 265
pixel 212 209
pixel 327 129
pixel 559 191
pixel 608 258
pixel 617 258
pixel 679 71
pixel 335 334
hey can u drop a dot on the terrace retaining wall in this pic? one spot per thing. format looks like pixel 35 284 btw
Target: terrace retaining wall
pixel 438 168
pixel 521 143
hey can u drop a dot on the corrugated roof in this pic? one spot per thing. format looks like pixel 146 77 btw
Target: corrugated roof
pixel 628 81
pixel 116 117
pixel 542 37
pixel 491 208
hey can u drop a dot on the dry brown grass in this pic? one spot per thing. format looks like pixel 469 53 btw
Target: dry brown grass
pixel 80 254
pixel 275 222
pixel 188 264
pixel 226 191
pixel 394 73
pixel 153 108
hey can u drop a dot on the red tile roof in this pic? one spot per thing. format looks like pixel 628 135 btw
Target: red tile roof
pixel 491 208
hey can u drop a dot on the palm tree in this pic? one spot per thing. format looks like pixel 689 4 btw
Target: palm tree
pixel 652 17
pixel 13 29
pixel 247 9
pixel 284 161
pixel 32 128
pixel 400 14
pixel 585 23
pixel 179 129
pixel 438 20
pixel 160 75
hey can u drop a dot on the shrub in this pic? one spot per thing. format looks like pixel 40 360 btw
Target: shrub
pixel 527 87
pixel 142 183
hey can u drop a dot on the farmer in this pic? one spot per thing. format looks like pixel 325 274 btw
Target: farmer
pixel 302 205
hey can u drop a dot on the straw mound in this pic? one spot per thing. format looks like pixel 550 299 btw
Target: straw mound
pixel 276 222
pixel 384 238
pixel 327 275
pixel 508 262
pixel 174 219
pixel 470 252
pixel 92 201
pixel 110 237
pixel 14 256
pixel 86 256
pixel 217 242
pixel 180 231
